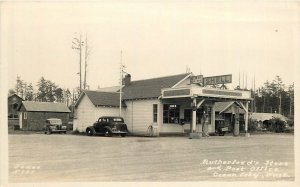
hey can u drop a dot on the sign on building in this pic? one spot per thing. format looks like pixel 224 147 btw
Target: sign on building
pixel 221 79
pixel 198 79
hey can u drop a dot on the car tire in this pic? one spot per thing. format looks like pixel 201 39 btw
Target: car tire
pixel 89 132
pixel 108 133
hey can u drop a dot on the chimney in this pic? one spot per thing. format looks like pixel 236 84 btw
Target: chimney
pixel 127 79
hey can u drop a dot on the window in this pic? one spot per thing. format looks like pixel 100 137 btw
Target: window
pixel 25 115
pixel 118 120
pixel 171 113
pixel 209 109
pixel 154 113
pixel 187 115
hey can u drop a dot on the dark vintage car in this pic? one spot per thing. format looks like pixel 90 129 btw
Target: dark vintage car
pixel 108 126
pixel 222 127
pixel 54 125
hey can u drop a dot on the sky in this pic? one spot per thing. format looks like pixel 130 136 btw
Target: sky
pixel 157 38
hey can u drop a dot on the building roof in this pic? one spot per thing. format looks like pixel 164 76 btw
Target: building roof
pixel 16 96
pixel 100 98
pixel 109 89
pixel 32 106
pixel 150 88
pixel 225 107
pixel 267 116
pixel 222 106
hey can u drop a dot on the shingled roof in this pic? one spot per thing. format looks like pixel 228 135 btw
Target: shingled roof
pixel 222 106
pixel 150 88
pixel 225 107
pixel 15 95
pixel 267 116
pixel 32 106
pixel 99 98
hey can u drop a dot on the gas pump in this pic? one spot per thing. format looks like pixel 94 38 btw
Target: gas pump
pixel 236 130
pixel 205 124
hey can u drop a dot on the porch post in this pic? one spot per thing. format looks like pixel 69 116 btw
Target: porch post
pixel 213 117
pixel 246 119
pixel 194 116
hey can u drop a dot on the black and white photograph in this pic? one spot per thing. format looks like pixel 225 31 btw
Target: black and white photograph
pixel 151 92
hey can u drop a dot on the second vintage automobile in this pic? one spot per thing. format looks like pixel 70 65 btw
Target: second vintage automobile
pixel 54 125
pixel 108 126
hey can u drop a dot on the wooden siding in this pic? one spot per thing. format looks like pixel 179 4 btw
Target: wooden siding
pixel 36 120
pixel 87 114
pixel 139 115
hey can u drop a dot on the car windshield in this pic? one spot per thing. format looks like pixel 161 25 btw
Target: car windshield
pixel 117 120
pixel 54 121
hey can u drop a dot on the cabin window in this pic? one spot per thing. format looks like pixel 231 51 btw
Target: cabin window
pixel 171 113
pixel 25 115
pixel 154 113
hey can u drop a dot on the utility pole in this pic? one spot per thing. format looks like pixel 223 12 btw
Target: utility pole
pixel 239 79
pixel 252 91
pixel 279 95
pixel 243 80
pixel 246 82
pixel 279 111
pixel 290 105
pixel 85 62
pixel 121 83
pixel 77 45
pixel 264 104
pixel 254 95
pixel 80 64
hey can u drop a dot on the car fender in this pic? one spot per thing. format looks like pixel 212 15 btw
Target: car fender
pixel 92 128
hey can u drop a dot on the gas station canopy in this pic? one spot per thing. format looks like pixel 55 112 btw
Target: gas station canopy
pixel 196 91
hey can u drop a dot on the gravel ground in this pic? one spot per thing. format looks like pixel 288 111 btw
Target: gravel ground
pixel 77 158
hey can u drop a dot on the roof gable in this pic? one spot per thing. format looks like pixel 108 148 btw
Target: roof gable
pixel 225 107
pixel 45 107
pixel 109 89
pixel 222 106
pixel 150 88
pixel 15 95
pixel 99 98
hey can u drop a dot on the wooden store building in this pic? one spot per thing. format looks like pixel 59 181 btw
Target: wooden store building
pixel 172 104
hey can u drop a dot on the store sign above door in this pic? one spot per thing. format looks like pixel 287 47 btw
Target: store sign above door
pixel 221 79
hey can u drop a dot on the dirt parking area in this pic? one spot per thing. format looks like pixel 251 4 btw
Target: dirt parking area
pixel 75 158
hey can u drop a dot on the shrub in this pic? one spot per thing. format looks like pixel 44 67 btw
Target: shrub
pixel 276 125
pixel 291 122
pixel 252 127
pixel 76 131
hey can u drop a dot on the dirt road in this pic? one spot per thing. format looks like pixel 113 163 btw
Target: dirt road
pixel 70 158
